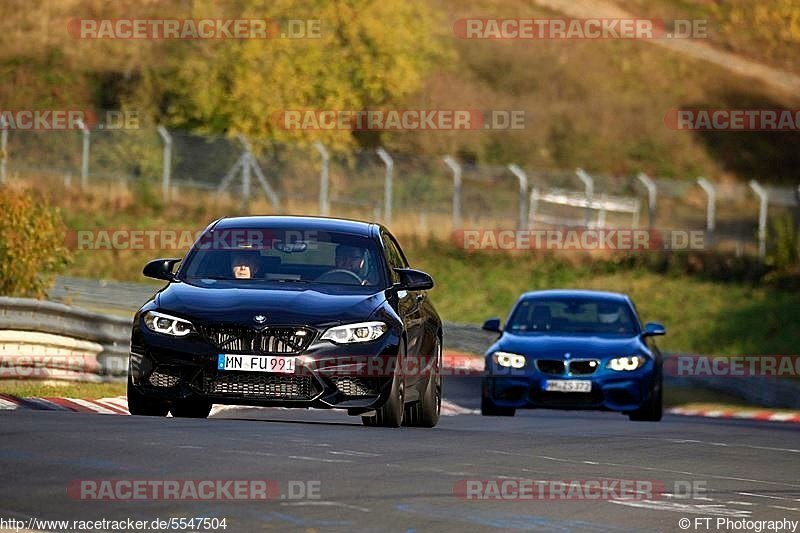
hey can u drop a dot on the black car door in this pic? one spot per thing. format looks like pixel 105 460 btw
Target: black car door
pixel 408 302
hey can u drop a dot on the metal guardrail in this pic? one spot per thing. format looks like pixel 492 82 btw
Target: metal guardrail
pixel 112 333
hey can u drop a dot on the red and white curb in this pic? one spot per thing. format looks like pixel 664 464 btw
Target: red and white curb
pixel 744 414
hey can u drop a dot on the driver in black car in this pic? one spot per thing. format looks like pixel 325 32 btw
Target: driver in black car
pixel 354 259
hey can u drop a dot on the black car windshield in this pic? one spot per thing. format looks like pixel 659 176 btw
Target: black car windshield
pixel 566 315
pixel 250 256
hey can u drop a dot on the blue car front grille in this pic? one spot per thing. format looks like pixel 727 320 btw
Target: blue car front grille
pixel 557 367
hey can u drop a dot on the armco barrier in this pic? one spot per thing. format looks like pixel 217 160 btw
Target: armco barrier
pixel 64 323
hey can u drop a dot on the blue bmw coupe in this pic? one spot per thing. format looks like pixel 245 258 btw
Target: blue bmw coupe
pixel 574 350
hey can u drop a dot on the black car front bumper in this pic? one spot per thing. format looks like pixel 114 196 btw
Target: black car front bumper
pixel 355 377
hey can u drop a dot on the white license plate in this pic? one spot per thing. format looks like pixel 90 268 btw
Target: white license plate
pixel 255 363
pixel 568 385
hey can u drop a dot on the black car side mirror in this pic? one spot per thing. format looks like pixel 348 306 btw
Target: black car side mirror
pixel 160 269
pixel 493 325
pixel 653 329
pixel 414 280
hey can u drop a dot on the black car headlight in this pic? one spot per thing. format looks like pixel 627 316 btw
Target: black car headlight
pixel 626 364
pixel 167 324
pixel 359 332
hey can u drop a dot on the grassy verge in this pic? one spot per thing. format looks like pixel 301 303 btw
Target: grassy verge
pixel 67 389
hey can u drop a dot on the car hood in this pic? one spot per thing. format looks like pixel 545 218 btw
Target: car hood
pixel 295 305
pixel 578 346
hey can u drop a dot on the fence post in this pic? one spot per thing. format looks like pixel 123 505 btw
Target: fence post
pixel 711 207
pixel 166 162
pixel 324 200
pixel 84 154
pixel 652 196
pixel 588 187
pixel 522 215
pixel 388 183
pixel 532 207
pixel 3 149
pixel 456 168
pixel 763 196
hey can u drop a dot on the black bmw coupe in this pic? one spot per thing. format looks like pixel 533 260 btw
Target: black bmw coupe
pixel 293 312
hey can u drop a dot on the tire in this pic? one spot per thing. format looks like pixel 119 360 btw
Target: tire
pixel 138 404
pixel 196 408
pixel 490 409
pixel 390 414
pixel 653 409
pixel 425 413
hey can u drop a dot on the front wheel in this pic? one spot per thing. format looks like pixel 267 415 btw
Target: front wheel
pixel 652 410
pixel 138 404
pixel 390 415
pixel 425 413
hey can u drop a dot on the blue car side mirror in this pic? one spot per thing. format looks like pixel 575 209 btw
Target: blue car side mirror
pixel 653 329
pixel 493 325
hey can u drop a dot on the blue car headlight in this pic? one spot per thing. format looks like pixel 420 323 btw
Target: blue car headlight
pixel 509 360
pixel 626 364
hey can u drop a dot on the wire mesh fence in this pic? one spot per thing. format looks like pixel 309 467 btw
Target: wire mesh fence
pixel 425 193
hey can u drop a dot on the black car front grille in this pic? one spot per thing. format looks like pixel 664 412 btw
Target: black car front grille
pixel 353 387
pixel 258 385
pixel 550 366
pixel 268 340
pixel 164 376
pixel 583 368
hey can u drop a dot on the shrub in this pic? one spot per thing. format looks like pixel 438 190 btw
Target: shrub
pixel 32 243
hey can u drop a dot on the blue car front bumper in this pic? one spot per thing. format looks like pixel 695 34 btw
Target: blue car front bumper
pixel 610 390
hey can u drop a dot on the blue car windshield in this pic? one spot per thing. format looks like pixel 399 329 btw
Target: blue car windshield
pixel 252 256
pixel 572 316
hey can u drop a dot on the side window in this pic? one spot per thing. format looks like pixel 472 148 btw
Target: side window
pixel 393 255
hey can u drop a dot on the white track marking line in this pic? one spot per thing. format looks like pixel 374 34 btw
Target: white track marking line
pixel 654 469
pixel 768 496
pixel 682 508
pixel 320 459
pixel 355 453
pixel 731 445
pixel 325 503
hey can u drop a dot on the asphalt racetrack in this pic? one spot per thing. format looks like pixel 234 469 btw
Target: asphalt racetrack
pixel 373 479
